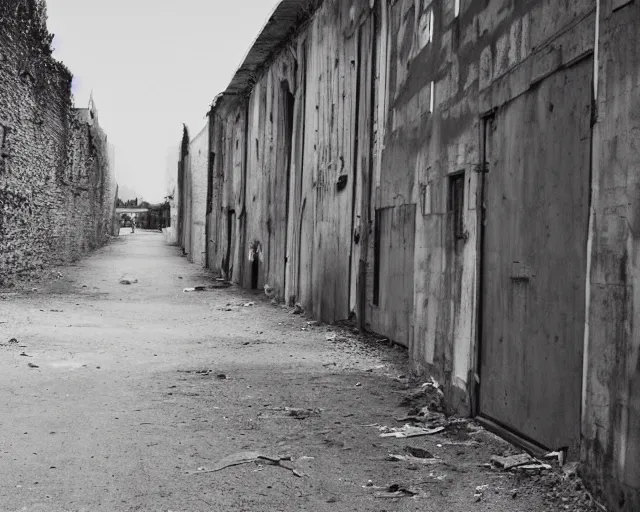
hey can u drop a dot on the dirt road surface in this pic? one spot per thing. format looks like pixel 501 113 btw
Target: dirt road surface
pixel 114 397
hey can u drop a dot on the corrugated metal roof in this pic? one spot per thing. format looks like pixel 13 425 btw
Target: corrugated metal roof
pixel 284 20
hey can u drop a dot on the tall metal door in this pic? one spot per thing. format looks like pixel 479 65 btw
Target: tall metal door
pixel 534 259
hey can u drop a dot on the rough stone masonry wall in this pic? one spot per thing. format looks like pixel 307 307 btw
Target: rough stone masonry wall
pixel 56 184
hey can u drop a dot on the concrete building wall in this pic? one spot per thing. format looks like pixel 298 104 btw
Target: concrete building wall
pixel 57 187
pixel 611 411
pixel 226 215
pixel 441 117
pixel 197 204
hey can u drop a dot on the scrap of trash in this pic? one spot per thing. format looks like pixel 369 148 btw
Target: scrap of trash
pixel 206 373
pixel 239 458
pixel 408 431
pixel 391 491
pixel 522 462
pixel 414 456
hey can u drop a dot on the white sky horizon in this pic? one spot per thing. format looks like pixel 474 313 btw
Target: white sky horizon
pixel 152 65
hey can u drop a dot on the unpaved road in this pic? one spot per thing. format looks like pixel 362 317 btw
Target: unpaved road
pixel 115 416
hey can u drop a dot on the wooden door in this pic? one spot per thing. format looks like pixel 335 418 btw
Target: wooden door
pixel 534 259
pixel 393 280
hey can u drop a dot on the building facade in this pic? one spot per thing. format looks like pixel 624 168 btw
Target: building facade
pixel 462 177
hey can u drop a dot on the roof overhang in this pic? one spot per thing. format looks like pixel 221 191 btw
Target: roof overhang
pixel 280 26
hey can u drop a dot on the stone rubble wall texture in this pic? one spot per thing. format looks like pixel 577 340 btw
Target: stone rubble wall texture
pixel 57 187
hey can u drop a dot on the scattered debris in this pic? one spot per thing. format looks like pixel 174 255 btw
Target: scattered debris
pixel 412 460
pixel 538 466
pixel 298 309
pixel 408 431
pixel 195 289
pixel 24 354
pixel 249 304
pixel 393 491
pixel 512 461
pixel 13 340
pixel 239 458
pixel 424 415
pixel 128 281
pixel 269 291
pixel 301 414
pixel 221 376
pixel 293 412
pixel 429 394
pixel 418 452
pixel 570 470
pixel 358 384
pixel 521 462
pixel 560 455
pixel 31 365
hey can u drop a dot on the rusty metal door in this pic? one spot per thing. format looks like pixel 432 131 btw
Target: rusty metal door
pixel 534 260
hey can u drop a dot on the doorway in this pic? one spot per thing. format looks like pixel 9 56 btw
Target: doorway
pixel 534 260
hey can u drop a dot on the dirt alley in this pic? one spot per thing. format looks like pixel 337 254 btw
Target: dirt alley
pixel 113 415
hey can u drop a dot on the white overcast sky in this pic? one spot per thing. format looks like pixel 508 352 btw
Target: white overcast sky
pixel 152 65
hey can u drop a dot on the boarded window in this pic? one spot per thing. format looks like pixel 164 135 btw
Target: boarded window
pixel 456 204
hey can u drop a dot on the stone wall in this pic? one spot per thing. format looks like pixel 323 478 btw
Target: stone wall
pixel 56 182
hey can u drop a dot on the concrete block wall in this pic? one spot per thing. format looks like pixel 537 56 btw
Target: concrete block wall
pixel 56 184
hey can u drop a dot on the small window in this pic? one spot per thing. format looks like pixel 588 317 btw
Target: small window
pixel 456 204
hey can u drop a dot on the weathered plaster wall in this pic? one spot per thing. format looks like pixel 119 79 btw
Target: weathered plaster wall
pixel 611 413
pixel 475 62
pixel 57 186
pixel 227 215
pixel 197 204
pixel 184 190
pixel 267 178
